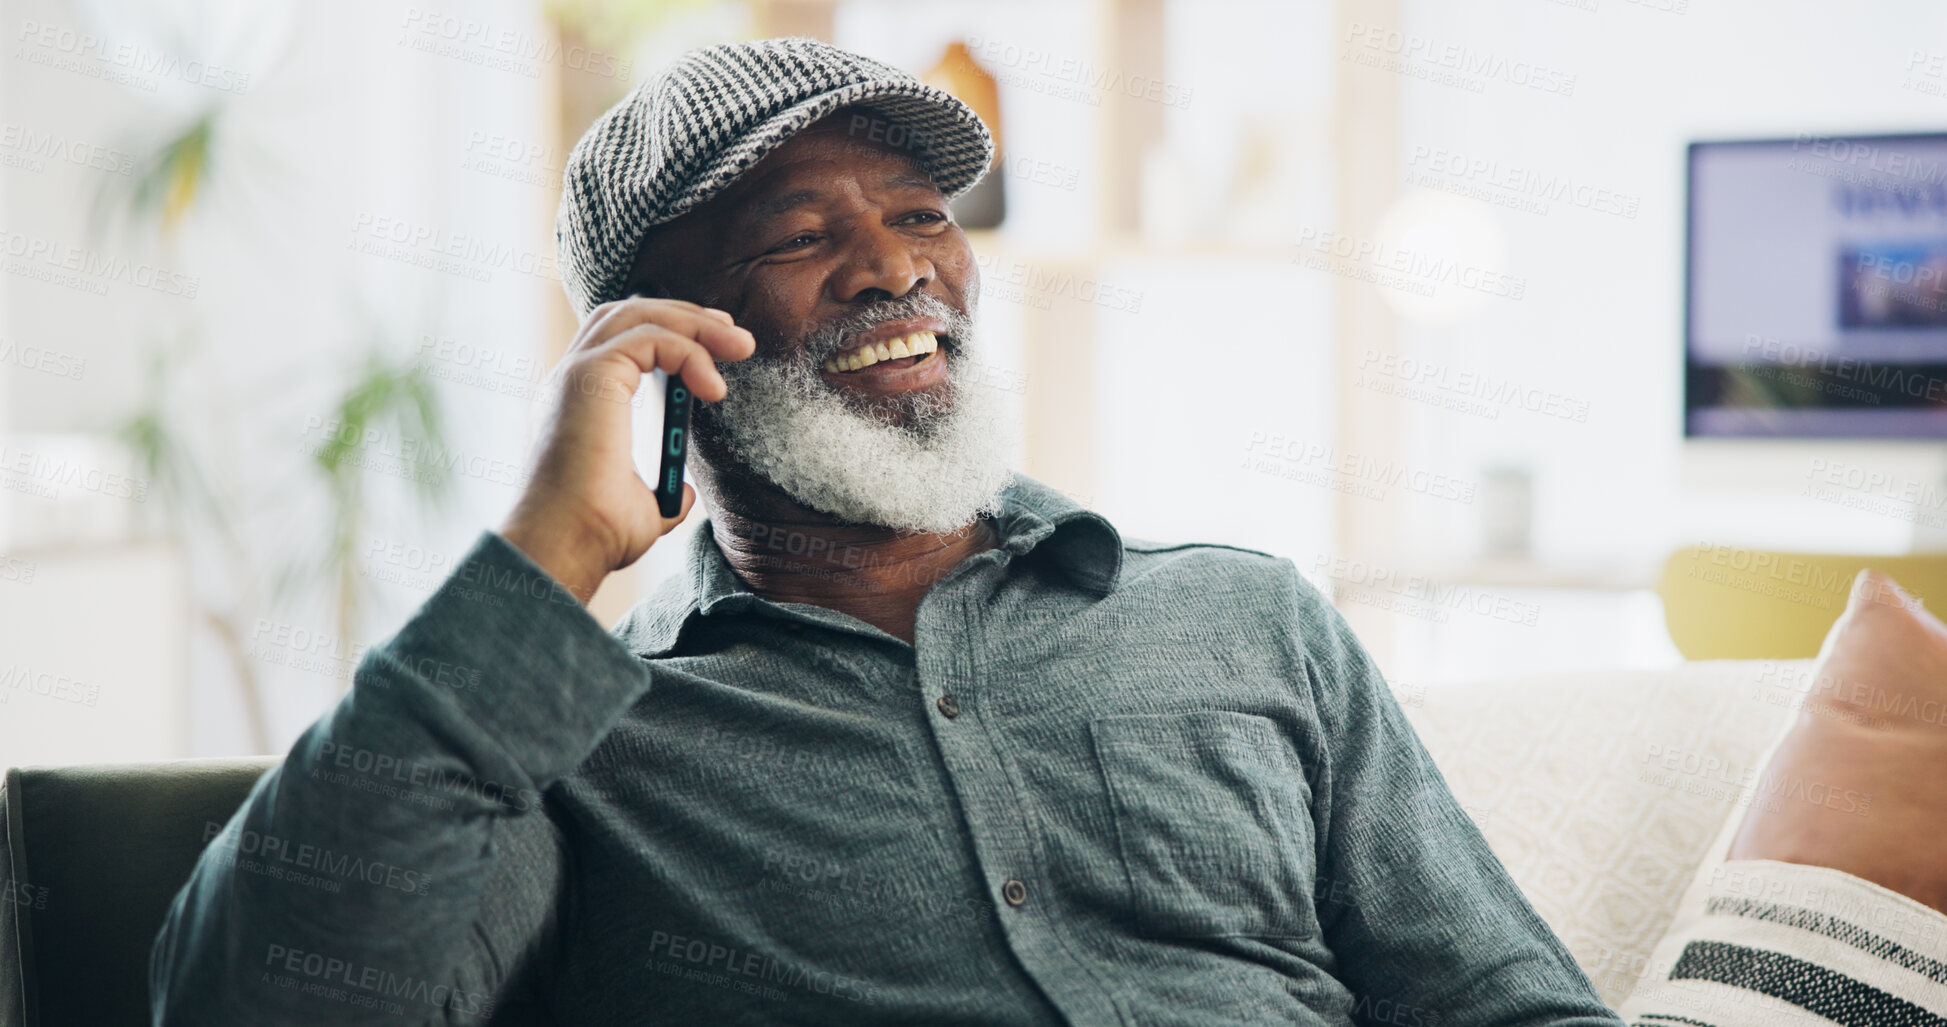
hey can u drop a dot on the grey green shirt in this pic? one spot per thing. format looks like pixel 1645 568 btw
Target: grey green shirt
pixel 1113 782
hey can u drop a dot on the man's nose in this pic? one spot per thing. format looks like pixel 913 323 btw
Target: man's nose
pixel 879 258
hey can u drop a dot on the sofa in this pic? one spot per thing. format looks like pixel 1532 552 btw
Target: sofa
pixel 1601 792
pixel 1605 793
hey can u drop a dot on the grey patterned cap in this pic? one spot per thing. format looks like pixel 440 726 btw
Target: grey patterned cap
pixel 681 138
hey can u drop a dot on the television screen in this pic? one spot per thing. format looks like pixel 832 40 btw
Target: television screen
pixel 1817 288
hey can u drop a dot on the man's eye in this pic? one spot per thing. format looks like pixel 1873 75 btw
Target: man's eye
pixel 930 215
pixel 803 239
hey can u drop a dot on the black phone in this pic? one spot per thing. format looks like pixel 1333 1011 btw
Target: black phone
pixel 675 445
pixel 675 437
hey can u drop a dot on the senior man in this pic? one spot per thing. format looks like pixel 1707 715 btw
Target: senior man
pixel 912 739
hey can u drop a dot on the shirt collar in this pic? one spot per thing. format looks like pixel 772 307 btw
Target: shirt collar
pixel 1078 541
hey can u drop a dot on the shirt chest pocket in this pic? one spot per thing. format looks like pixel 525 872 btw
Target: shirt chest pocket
pixel 1213 824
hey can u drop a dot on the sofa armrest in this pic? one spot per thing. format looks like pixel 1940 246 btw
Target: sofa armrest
pixel 94 856
pixel 18 1001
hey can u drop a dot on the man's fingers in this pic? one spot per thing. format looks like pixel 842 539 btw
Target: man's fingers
pixel 689 500
pixel 654 347
pixel 634 303
pixel 713 328
pixel 701 375
pixel 651 524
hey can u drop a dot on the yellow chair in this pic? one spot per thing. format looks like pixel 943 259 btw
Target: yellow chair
pixel 1729 603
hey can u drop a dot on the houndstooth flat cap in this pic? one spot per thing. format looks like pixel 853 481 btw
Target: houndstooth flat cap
pixel 681 138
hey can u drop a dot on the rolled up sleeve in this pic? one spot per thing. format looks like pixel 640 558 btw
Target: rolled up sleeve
pixel 397 866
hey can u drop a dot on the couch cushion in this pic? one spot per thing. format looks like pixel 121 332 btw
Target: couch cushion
pixel 1858 782
pixel 1601 791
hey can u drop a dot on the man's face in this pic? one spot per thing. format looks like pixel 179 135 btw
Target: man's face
pixel 833 243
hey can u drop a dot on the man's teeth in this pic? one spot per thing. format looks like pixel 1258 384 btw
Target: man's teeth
pixel 916 344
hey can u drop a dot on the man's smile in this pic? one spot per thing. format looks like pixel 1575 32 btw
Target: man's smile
pixel 898 356
pixel 865 354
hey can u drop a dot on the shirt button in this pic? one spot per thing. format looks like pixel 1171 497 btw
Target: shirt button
pixel 1014 892
pixel 948 708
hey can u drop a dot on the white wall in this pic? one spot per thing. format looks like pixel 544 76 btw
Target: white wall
pixel 347 121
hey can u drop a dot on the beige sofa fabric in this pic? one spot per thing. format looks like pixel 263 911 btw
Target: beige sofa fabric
pixel 1602 792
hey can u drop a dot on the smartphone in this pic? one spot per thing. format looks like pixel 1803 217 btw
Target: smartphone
pixel 674 440
pixel 675 444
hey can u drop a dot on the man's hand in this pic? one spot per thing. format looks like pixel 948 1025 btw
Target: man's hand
pixel 586 511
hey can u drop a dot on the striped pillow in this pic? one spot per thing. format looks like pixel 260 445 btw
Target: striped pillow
pixel 1785 944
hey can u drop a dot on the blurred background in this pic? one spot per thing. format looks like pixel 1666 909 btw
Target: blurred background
pixel 280 302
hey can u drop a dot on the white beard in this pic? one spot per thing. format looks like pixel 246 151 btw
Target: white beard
pixel 937 473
